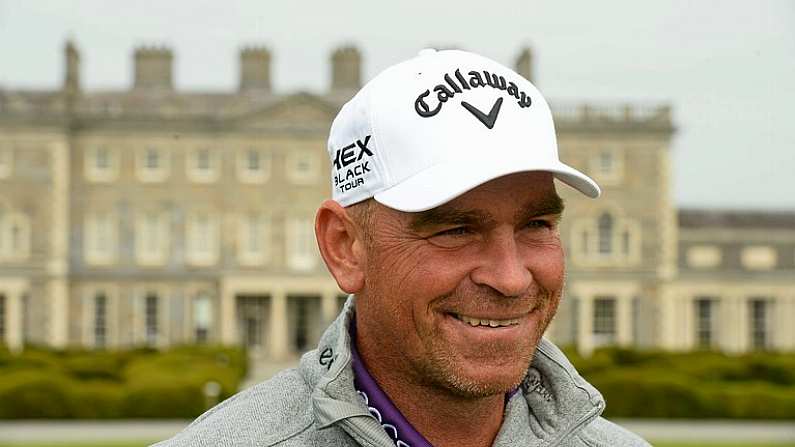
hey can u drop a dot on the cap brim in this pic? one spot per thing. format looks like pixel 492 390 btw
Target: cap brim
pixel 443 182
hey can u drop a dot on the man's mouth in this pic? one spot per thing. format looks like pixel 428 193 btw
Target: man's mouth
pixel 475 321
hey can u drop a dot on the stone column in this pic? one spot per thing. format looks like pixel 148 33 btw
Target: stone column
pixel 328 306
pixel 13 321
pixel 734 330
pixel 278 325
pixel 585 325
pixel 624 320
pixel 58 265
pixel 59 313
pixel 667 305
pixel 228 317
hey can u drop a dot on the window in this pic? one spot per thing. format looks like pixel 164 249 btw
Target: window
pixel 759 314
pixel 153 165
pixel 301 244
pixel 100 238
pixel 705 322
pixel 152 159
pixel 253 166
pixel 607 239
pixel 101 165
pixel 100 320
pixel 759 258
pixel 301 324
pixel 253 239
pixel 6 160
pixel 703 256
pixel 203 166
pixel 14 236
pixel 607 166
pixel 151 326
pixel 302 167
pixel 202 233
pixel 605 234
pixel 202 318
pixel 152 238
pixel 604 320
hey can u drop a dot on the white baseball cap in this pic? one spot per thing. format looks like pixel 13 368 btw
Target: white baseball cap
pixel 429 129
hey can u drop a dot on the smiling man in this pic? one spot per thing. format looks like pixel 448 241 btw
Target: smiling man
pixel 443 227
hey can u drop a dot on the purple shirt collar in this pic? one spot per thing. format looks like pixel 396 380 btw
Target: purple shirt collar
pixel 400 430
pixel 380 406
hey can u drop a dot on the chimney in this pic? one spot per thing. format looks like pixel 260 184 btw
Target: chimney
pixel 153 68
pixel 346 69
pixel 255 69
pixel 524 64
pixel 71 83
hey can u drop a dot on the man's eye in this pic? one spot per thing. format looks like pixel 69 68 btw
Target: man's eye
pixel 457 231
pixel 539 224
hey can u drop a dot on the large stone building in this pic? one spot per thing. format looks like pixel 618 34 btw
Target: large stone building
pixel 151 216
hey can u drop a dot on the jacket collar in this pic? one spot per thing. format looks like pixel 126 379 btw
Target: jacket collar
pixel 555 400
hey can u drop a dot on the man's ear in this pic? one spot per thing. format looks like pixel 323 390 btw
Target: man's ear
pixel 341 245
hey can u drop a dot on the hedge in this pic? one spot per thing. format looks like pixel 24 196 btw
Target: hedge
pixel 140 383
pixel 659 384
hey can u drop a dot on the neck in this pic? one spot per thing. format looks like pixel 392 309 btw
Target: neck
pixel 442 417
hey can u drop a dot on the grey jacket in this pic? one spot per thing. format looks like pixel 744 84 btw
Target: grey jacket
pixel 317 405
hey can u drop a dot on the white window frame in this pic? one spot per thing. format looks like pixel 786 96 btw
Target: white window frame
pixel 92 230
pixel 301 247
pixel 195 317
pixel 90 293
pixel 6 161
pixel 246 175
pixel 160 230
pixel 153 175
pixel 605 339
pixel 198 175
pixel 299 177
pixel 93 172
pixel 163 317
pixel 197 252
pixel 247 224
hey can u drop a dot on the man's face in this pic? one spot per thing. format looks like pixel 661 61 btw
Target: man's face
pixel 458 297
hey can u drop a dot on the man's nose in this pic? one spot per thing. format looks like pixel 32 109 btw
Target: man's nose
pixel 502 267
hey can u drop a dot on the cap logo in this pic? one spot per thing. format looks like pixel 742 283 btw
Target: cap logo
pixel 347 178
pixel 487 120
pixel 448 89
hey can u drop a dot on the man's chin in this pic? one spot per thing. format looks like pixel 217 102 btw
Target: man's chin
pixel 483 380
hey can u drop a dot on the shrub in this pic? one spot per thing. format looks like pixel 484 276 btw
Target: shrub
pixel 36 394
pixel 38 383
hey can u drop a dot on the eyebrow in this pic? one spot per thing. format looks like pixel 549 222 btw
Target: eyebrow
pixel 442 215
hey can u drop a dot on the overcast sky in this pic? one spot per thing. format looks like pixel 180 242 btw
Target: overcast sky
pixel 726 67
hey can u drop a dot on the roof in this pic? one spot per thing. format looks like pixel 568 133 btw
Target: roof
pixel 702 218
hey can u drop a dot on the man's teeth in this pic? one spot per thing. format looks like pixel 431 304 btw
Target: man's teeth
pixel 491 323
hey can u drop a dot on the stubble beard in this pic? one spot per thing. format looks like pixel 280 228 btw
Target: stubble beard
pixel 442 369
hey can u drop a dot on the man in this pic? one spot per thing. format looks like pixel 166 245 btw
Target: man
pixel 444 229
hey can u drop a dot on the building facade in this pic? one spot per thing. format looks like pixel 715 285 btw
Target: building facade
pixel 152 216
